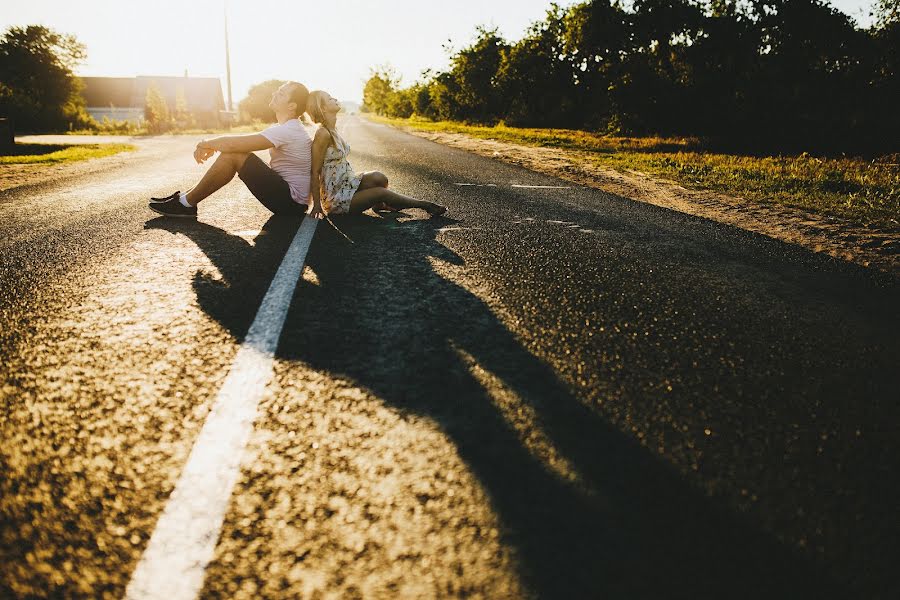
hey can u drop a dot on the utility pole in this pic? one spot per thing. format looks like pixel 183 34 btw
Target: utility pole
pixel 227 59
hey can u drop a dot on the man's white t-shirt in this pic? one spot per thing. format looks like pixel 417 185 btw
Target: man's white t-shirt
pixel 292 156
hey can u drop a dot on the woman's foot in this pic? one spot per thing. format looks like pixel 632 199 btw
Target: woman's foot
pixel 435 210
pixel 384 206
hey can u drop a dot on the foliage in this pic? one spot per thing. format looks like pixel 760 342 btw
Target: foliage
pixel 886 13
pixel 183 117
pixel 784 75
pixel 255 107
pixel 377 92
pixel 37 86
pixel 156 111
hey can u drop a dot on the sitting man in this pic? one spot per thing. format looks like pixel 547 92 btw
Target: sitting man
pixel 282 185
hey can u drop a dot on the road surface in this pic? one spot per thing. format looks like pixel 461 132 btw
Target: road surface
pixel 552 393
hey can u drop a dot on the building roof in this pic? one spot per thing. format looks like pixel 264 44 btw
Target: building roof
pixel 200 93
pixel 103 91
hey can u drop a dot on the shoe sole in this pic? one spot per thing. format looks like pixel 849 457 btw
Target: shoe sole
pixel 165 214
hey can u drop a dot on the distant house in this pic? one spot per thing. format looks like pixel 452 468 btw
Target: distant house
pixel 124 98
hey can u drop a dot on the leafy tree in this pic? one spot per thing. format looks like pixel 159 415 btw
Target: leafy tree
pixel 538 76
pixel 886 12
pixel 378 89
pixel 444 93
pixel 256 105
pixel 883 87
pixel 37 86
pixel 156 111
pixel 183 117
pixel 402 103
pixel 773 75
pixel 475 70
pixel 596 38
pixel 808 58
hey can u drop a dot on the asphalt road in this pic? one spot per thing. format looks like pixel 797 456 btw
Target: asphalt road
pixel 553 393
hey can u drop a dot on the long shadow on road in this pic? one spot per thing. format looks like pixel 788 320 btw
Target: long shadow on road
pixel 381 315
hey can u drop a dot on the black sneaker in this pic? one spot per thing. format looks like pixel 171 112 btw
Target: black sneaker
pixel 166 199
pixel 173 208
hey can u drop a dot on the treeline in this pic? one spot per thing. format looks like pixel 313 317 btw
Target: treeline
pixel 785 74
pixel 38 88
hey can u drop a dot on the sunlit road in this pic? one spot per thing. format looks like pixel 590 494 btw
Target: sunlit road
pixel 556 393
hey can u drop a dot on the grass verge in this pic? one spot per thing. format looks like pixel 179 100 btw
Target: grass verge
pixel 24 154
pixel 862 191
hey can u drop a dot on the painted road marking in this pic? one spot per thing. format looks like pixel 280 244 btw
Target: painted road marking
pixel 543 187
pixel 174 563
pixel 515 185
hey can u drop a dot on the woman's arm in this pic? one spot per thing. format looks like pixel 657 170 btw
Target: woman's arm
pixel 319 146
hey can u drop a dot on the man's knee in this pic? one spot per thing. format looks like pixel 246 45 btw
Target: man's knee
pixel 235 158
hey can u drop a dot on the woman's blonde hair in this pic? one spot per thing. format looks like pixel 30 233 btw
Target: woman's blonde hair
pixel 315 106
pixel 316 112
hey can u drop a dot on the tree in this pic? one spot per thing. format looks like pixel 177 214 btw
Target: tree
pixel 752 75
pixel 537 76
pixel 378 89
pixel 37 86
pixel 884 85
pixel 475 70
pixel 256 105
pixel 596 36
pixel 156 111
pixel 183 117
pixel 886 12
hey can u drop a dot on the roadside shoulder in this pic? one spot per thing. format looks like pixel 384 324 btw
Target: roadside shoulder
pixel 866 246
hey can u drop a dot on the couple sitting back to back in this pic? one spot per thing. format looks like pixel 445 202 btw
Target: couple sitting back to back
pixel 308 170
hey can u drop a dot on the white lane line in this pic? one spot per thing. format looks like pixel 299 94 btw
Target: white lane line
pixel 514 185
pixel 543 187
pixel 174 562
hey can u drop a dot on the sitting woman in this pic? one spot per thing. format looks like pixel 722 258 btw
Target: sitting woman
pixel 334 187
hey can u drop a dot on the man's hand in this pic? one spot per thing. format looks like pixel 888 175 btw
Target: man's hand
pixel 316 211
pixel 201 154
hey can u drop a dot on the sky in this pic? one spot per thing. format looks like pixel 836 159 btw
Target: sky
pixel 329 44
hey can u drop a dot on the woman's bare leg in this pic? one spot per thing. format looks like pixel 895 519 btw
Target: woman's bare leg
pixel 365 199
pixel 372 179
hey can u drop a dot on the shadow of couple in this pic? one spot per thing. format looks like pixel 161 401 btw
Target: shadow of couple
pixel 381 314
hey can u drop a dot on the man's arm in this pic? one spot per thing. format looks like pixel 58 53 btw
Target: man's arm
pixel 250 142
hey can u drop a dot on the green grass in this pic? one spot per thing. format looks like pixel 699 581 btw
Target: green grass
pixel 570 139
pixel 866 192
pixel 23 154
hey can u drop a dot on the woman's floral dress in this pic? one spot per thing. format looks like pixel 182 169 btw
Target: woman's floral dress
pixel 339 182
